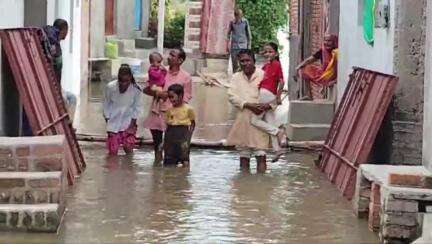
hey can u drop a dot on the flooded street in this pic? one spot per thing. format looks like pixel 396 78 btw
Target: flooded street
pixel 128 200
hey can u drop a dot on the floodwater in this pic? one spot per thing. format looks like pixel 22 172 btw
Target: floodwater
pixel 128 200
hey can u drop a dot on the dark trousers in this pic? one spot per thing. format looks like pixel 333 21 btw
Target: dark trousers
pixel 176 144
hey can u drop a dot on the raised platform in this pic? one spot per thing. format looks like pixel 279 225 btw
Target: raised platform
pixel 395 212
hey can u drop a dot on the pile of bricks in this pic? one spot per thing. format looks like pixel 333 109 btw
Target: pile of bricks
pixel 400 222
pixel 32 183
pixel 393 202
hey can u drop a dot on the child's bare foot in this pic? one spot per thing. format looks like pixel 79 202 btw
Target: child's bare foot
pixel 179 165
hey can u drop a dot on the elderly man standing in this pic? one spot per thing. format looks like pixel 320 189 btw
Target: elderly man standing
pixel 239 34
pixel 243 93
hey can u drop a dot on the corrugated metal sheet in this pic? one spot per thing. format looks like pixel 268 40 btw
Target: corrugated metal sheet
pixel 355 126
pixel 40 92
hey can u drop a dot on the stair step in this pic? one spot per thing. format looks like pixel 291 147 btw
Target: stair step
pixel 304 112
pixel 31 187
pixel 308 132
pixel 34 217
pixel 145 42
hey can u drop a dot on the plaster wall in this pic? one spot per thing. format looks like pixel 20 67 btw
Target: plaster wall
pixel 97 26
pixel 427 125
pixel 125 19
pixel 353 49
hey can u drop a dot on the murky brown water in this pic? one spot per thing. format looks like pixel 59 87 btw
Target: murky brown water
pixel 128 200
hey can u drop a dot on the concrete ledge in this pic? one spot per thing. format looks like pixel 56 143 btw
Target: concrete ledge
pixel 307 132
pixel 33 218
pixel 31 187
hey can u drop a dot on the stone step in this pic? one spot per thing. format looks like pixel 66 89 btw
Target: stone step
pixel 34 218
pixel 43 155
pixel 214 65
pixel 31 187
pixel 307 132
pixel 311 112
pixel 145 42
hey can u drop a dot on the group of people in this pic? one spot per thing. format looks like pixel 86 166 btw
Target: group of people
pixel 171 120
pixel 255 92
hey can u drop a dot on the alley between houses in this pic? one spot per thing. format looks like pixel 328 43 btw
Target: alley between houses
pixel 128 200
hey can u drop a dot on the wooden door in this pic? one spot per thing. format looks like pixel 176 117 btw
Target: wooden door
pixel 109 17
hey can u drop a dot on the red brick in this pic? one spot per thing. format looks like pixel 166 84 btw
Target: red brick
pixel 406 180
pixel 47 150
pixel 23 164
pixel 195 11
pixel 374 217
pixel 376 194
pixel 427 182
pixel 194 24
pixel 194 37
pixel 11 183
pixel 41 183
pixel 22 151
pixel 5 152
pixel 48 164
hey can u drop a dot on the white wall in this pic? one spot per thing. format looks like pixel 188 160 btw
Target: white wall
pixel 354 51
pixel 427 124
pixel 11 16
pixel 11 13
pixel 71 46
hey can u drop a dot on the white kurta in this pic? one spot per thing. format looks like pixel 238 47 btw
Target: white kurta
pixel 121 108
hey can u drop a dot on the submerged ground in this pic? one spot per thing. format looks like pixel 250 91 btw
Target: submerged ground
pixel 128 200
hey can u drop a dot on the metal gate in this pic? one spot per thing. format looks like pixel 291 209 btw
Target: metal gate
pixel 355 126
pixel 40 92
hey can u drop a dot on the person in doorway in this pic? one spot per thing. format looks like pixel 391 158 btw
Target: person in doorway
pixel 325 73
pixel 156 78
pixel 121 109
pixel 53 35
pixel 270 91
pixel 155 122
pixel 239 37
pixel 180 119
pixel 243 94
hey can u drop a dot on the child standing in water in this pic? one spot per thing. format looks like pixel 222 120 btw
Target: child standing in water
pixel 156 75
pixel 121 109
pixel 270 91
pixel 180 121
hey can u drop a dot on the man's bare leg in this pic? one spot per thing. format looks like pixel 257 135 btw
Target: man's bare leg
pixel 261 164
pixel 244 164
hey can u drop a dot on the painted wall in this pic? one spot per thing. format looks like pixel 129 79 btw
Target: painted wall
pixel 12 16
pixel 427 124
pixel 71 46
pixel 125 19
pixel 97 27
pixel 354 51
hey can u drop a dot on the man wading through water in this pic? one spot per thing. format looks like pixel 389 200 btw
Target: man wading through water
pixel 243 93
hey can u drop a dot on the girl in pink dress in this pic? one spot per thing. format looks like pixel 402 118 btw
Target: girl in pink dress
pixel 156 74
pixel 155 122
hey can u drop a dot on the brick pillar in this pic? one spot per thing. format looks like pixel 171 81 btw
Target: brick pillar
pixel 193 27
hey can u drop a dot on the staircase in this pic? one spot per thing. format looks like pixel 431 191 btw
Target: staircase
pixel 32 183
pixel 309 120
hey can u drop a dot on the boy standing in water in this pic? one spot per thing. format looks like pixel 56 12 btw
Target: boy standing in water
pixel 180 121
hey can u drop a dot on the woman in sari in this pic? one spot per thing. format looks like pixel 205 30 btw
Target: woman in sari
pixel 325 73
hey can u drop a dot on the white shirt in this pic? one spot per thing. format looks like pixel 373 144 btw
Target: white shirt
pixel 121 108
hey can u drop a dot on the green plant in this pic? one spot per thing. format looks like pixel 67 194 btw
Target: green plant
pixel 265 17
pixel 174 31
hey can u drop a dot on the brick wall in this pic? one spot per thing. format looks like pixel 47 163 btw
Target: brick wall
pixel 316 30
pixel 293 17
